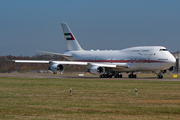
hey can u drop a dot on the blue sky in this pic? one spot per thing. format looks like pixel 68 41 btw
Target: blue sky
pixel 27 26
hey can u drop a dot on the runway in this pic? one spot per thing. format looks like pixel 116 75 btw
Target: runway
pixel 25 75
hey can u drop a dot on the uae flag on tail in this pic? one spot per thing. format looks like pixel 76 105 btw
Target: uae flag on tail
pixel 69 36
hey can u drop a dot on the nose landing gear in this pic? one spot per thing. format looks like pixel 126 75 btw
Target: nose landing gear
pixel 160 76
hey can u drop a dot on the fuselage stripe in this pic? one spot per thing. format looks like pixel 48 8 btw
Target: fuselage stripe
pixel 123 61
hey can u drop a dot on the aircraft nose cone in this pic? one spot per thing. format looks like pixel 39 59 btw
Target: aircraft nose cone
pixel 172 60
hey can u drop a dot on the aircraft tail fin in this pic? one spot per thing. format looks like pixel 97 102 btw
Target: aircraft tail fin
pixel 71 42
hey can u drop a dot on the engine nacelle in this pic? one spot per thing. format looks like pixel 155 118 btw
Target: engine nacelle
pixel 163 72
pixel 97 70
pixel 56 68
pixel 171 69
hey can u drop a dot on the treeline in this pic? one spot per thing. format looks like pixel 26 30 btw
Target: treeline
pixel 7 64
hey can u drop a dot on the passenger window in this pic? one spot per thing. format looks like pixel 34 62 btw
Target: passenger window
pixel 145 50
pixel 135 50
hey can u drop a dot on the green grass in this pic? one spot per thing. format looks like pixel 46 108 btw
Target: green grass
pixel 45 98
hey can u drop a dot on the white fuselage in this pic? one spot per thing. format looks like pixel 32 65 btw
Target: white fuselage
pixel 147 58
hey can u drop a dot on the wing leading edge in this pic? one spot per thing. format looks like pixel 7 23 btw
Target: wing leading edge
pixel 119 65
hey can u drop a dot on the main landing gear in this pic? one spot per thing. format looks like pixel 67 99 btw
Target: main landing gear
pixel 160 76
pixel 132 75
pixel 117 75
pixel 105 76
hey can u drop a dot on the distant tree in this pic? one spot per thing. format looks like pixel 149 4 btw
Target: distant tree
pixel 25 69
pixel 11 68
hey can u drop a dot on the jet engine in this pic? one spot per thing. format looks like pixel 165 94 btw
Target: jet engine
pixel 56 68
pixel 97 70
pixel 171 69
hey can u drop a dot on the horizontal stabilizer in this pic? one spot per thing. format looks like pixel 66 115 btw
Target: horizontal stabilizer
pixel 64 55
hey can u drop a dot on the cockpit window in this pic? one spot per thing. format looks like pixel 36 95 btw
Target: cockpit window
pixel 163 50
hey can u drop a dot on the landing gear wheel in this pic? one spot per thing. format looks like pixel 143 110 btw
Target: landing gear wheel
pixel 132 76
pixel 118 75
pixel 160 76
pixel 105 76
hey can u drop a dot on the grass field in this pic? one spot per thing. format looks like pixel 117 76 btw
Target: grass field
pixel 49 98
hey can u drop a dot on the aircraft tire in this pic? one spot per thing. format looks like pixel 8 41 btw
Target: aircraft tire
pixel 110 76
pixel 116 76
pixel 103 76
pixel 160 76
pixel 120 76
pixel 134 76
pixel 130 76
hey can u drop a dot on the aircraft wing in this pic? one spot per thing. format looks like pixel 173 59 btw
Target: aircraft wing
pixel 110 65
pixel 53 62
pixel 31 61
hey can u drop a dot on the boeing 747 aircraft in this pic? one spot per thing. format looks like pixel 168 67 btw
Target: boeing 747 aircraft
pixel 109 63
